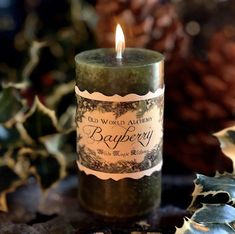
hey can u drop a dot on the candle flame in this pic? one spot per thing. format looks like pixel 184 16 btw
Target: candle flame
pixel 119 41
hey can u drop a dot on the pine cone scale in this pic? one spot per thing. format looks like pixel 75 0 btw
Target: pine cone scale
pixel 146 23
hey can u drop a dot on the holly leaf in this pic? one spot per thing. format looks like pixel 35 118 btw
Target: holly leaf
pixel 38 122
pixel 48 169
pixel 9 182
pixel 9 178
pixel 10 104
pixel 226 138
pixel 34 53
pixel 9 136
pixel 218 189
pixel 61 90
pixel 3 151
pixel 192 227
pixel 62 144
pixel 52 142
pixel 214 213
pixel 67 120
pixel 38 162
pixel 210 219
pixel 68 147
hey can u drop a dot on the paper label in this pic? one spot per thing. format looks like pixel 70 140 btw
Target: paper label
pixel 119 137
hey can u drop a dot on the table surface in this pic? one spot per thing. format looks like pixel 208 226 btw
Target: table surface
pixel 57 211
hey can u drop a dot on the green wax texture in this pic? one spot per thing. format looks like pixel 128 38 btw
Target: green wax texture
pixel 139 71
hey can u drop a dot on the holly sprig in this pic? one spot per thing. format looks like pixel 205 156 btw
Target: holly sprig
pixel 213 198
pixel 37 101
pixel 27 143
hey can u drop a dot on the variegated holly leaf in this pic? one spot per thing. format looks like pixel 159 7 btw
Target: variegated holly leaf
pixel 10 103
pixel 3 151
pixel 52 142
pixel 192 227
pixel 38 122
pixel 19 160
pixel 9 136
pixel 226 138
pixel 9 180
pixel 45 166
pixel 48 169
pixel 67 119
pixel 218 189
pixel 26 162
pixel 34 52
pixel 59 93
pixel 214 213
pixel 62 144
pixel 68 147
pixel 210 219
pixel 8 177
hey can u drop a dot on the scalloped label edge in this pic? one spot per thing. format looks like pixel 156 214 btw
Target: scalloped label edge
pixel 119 176
pixel 117 98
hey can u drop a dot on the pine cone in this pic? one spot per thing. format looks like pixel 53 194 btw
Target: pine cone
pixel 201 101
pixel 146 24
pixel 199 95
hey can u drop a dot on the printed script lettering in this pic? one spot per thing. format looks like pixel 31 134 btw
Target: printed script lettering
pixel 119 139
pixel 96 134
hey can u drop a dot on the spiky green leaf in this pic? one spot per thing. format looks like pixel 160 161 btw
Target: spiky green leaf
pixel 9 180
pixel 48 169
pixel 68 147
pixel 67 120
pixel 210 219
pixel 214 213
pixel 61 90
pixel 10 104
pixel 52 142
pixel 218 189
pixel 38 122
pixel 34 52
pixel 8 177
pixel 192 227
pixel 9 136
pixel 226 138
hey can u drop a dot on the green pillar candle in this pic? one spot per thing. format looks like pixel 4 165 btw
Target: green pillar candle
pixel 119 131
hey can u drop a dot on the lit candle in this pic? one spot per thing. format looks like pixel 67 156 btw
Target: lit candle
pixel 119 129
pixel 119 42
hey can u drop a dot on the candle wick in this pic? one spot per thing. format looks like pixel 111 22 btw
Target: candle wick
pixel 119 50
pixel 119 55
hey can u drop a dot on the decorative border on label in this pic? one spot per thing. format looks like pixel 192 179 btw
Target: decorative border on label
pixel 116 177
pixel 117 98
